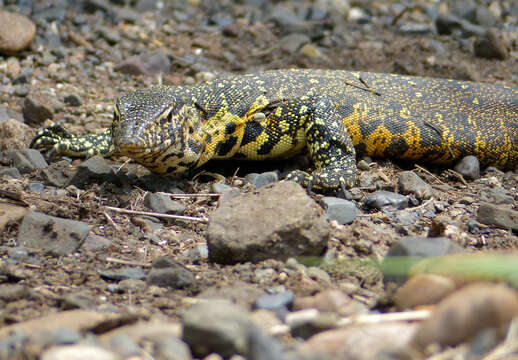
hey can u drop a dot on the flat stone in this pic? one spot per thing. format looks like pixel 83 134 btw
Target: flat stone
pixel 27 160
pixel 169 273
pixel 340 210
pixel 410 183
pixel 278 303
pixel 386 199
pixel 132 285
pixel 497 195
pixel 291 43
pixel 447 23
pixel 280 219
pixel 94 170
pixel 463 314
pixel 423 289
pixel 468 167
pixel 220 188
pixel 12 173
pixel 13 292
pixel 78 300
pixel 36 187
pixel 499 216
pixel 216 326
pixel 197 254
pixel 162 203
pixel 52 234
pixel 334 301
pixel 241 293
pixel 263 179
pixel 95 242
pixel 123 273
pixel 10 213
pixel 144 330
pixel 7 113
pixel 78 320
pixel 149 64
pixel 16 32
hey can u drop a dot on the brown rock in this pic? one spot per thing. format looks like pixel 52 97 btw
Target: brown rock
pixel 16 32
pixel 15 135
pixel 423 289
pixel 463 314
pixel 11 213
pixel 266 320
pixel 329 301
pixel 78 320
pixel 142 330
pixel 277 221
pixel 491 46
pixel 361 342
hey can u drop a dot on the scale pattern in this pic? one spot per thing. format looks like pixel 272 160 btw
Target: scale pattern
pixel 333 115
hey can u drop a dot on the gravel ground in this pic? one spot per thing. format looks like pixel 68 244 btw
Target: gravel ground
pixel 102 260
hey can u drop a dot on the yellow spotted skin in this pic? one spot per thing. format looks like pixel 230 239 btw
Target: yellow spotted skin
pixel 336 115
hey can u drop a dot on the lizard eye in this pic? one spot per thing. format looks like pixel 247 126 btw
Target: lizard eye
pixel 170 115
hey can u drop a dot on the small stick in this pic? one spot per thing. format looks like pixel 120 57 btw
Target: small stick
pixel 415 315
pixel 110 220
pixel 126 262
pixel 233 176
pixel 362 88
pixel 441 134
pixel 166 216
pixel 457 176
pixel 401 13
pixel 388 317
pixel 382 175
pixel 122 165
pixel 182 196
pixel 429 173
pixel 421 206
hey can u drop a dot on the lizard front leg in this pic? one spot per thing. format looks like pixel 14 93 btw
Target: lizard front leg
pixel 331 148
pixel 61 142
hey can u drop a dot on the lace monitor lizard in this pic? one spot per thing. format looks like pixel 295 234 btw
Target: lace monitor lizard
pixel 333 114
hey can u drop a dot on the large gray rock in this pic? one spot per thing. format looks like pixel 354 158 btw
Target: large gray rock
pixel 52 234
pixel 277 221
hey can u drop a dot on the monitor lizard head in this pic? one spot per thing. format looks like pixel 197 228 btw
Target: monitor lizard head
pixel 157 128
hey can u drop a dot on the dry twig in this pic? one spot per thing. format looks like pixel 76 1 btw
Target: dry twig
pixel 155 214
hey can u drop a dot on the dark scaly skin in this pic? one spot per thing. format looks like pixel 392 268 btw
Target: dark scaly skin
pixel 334 114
